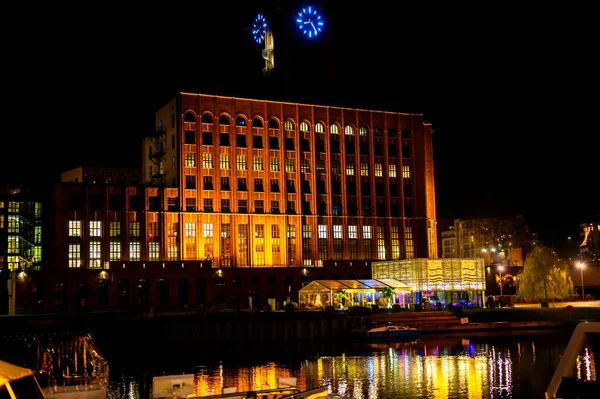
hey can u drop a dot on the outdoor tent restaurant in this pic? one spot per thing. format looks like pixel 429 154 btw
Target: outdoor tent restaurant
pixel 319 294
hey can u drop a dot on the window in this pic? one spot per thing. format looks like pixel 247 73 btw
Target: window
pixel 74 228
pixel 208 230
pixel 395 243
pixel 378 132
pixel 273 124
pixel 258 163
pixel 225 183
pixel 408 242
pixel 240 121
pixel 349 130
pixel 95 229
pixel 257 142
pixel 257 122
pixel 207 138
pixel 335 167
pixel 305 165
pixel 321 166
pixel 259 206
pixel 207 161
pixel 289 165
pixel 208 183
pixel 242 206
pixel 154 250
pixel 115 229
pixel 363 131
pixel 289 144
pixel 224 140
pixel 364 169
pixel 392 170
pixel 274 185
pixel 225 205
pixel 258 185
pixel 115 250
pixel 405 171
pixel 337 209
pixel 288 125
pixel 74 255
pixel 241 162
pixel 240 140
pixel 134 250
pixel 319 128
pixel 319 145
pixel 224 161
pixel 366 210
pixel 241 184
pixel 274 164
pixel 190 204
pixel 275 207
pixel 273 143
pixel 378 170
pixel 190 160
pixel 304 127
pixel 224 120
pixel 334 129
pixel 208 205
pixel 190 229
pixel 190 182
pixel 206 118
pixel 189 137
pixel 349 168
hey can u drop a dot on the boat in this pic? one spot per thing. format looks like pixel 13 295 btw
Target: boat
pixel 177 386
pixel 393 331
pixel 66 367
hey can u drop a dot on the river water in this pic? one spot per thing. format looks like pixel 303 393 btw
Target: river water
pixel 484 365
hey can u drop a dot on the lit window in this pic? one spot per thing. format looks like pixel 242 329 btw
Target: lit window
pixel 207 161
pixel 190 229
pixel 364 169
pixel 288 125
pixel 378 170
pixel 319 128
pixel 74 228
pixel 208 229
pixel 334 129
pixel 363 131
pixel 304 127
pixel 95 228
pixel 190 160
pixel 392 170
pixel 322 231
pixel 406 171
pixel 349 131
pixel 224 161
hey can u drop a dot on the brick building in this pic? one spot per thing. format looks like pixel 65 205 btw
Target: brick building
pixel 245 198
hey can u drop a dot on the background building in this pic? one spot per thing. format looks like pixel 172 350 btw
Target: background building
pixel 102 175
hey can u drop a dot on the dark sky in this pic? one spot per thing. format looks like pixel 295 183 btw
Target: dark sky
pixel 511 92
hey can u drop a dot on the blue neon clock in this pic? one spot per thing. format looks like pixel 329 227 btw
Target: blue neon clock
pixel 310 22
pixel 259 28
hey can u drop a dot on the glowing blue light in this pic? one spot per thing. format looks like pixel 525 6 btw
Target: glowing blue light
pixel 309 22
pixel 259 28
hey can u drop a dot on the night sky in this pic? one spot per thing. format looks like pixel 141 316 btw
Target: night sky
pixel 511 92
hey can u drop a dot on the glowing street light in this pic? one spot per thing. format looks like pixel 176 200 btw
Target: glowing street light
pixel 582 287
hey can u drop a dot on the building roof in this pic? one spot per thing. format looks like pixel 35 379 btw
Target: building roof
pixel 325 286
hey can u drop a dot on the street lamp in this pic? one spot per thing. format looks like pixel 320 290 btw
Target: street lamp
pixel 501 283
pixel 582 287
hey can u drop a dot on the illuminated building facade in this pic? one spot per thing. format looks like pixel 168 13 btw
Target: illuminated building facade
pixel 243 198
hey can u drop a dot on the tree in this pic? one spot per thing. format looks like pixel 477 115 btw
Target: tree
pixel 388 293
pixel 545 276
pixel 342 296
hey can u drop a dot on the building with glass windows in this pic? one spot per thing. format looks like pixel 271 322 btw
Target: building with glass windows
pixel 246 198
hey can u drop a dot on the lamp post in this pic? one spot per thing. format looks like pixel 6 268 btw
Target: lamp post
pixel 501 283
pixel 582 286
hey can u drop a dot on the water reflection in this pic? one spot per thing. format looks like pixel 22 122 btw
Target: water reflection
pixel 438 367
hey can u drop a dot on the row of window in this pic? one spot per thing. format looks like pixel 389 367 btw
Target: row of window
pixel 30 208
pixel 305 145
pixel 258 165
pixel 289 125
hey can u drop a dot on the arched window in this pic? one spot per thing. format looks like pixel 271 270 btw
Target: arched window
pixel 239 121
pixel 288 125
pixel 182 291
pixel 163 291
pixel 304 127
pixel 349 131
pixel 334 129
pixel 124 292
pixel 103 289
pixel 363 131
pixel 257 122
pixel 143 292
pixel 405 134
pixel 224 120
pixel 391 132
pixel 207 118
pixel 273 124
pixel 378 132
pixel 189 117
pixel 319 128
